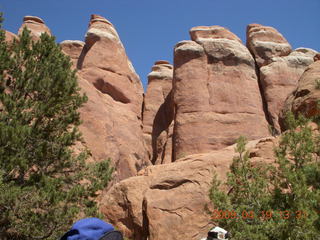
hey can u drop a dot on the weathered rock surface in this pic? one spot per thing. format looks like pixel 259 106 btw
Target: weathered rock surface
pixel 280 78
pixel 105 64
pixel 187 131
pixel 306 96
pixel 280 68
pixel 112 126
pixel 216 92
pixel 265 42
pixel 158 113
pixel 73 49
pixel 169 201
pixel 9 36
pixel 36 25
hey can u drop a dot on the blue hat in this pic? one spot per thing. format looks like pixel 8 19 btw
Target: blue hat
pixel 88 229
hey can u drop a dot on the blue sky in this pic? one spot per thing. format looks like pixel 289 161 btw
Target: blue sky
pixel 150 29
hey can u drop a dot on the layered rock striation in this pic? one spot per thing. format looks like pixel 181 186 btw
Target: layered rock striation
pixel 35 25
pixel 279 67
pixel 216 92
pixel 305 99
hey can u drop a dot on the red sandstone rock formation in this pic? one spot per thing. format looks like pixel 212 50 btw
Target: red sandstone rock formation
pixel 280 68
pixel 9 36
pixel 112 117
pixel 216 98
pixel 306 96
pixel 168 201
pixel 216 92
pixel 158 113
pixel 36 25
pixel 265 43
pixel 112 126
pixel 105 64
pixel 73 49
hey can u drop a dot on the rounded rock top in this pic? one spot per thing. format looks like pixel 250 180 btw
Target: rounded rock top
pixel 97 18
pixel 159 62
pixel 33 19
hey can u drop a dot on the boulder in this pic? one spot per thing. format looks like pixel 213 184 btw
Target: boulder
pixel 36 26
pixel 158 113
pixel 216 93
pixel 170 201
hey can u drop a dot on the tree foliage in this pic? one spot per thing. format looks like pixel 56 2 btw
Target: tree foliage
pixel 44 185
pixel 274 202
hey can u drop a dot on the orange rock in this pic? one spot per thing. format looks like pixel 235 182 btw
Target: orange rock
pixel 265 42
pixel 36 26
pixel 73 49
pixel 168 201
pixel 280 68
pixel 216 94
pixel 306 96
pixel 212 32
pixel 104 62
pixel 112 126
pixel 158 113
pixel 9 36
pixel 280 78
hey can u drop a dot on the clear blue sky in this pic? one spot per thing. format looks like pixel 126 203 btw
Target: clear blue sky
pixel 149 29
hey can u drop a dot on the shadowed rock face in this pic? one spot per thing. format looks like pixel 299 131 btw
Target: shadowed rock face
pixel 112 126
pixel 36 25
pixel 280 68
pixel 306 96
pixel 216 92
pixel 158 113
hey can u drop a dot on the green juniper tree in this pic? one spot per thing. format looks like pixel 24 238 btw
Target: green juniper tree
pixel 248 195
pixel 274 202
pixel 44 185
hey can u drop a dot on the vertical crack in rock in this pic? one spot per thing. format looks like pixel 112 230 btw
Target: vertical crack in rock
pixel 145 221
pixel 216 92
pixel 263 98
